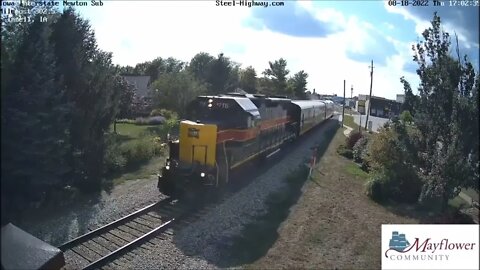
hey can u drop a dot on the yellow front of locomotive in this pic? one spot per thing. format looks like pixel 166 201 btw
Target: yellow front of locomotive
pixel 195 164
pixel 197 144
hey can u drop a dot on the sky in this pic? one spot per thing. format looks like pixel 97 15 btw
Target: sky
pixel 332 41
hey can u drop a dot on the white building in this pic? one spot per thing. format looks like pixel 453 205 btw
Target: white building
pixel 400 98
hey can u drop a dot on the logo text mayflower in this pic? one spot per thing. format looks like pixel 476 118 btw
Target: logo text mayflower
pixel 399 244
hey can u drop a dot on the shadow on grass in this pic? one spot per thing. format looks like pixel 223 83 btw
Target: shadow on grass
pixel 120 138
pixel 258 237
pixel 452 215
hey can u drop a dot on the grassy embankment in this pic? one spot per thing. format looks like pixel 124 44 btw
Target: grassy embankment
pixel 331 211
pixel 129 135
pixel 258 237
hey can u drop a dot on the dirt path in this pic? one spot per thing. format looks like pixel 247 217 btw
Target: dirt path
pixel 333 225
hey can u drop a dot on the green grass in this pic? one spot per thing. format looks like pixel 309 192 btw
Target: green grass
pixel 457 202
pixel 144 171
pixel 348 121
pixel 471 192
pixel 133 131
pixel 355 170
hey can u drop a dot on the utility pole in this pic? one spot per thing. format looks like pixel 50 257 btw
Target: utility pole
pixel 351 92
pixel 343 112
pixel 370 98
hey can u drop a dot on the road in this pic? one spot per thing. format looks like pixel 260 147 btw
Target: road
pixel 377 122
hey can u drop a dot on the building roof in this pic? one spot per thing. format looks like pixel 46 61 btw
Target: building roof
pixel 141 84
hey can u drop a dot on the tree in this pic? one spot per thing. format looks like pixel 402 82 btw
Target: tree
pixel 248 80
pixel 34 120
pixel 278 73
pixel 199 66
pixel 298 84
pixel 90 83
pixel 411 101
pixel 447 118
pixel 221 76
pixel 176 90
pixel 126 98
pixel 160 66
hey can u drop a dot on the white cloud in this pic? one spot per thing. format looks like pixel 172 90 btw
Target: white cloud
pixel 141 31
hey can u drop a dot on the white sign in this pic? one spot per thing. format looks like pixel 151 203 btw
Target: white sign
pixel 430 246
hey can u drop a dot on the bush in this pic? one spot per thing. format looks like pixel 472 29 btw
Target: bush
pixel 125 121
pixel 155 120
pixel 344 151
pixel 360 149
pixel 406 117
pixel 114 160
pixel 375 187
pixel 137 151
pixel 352 139
pixel 165 113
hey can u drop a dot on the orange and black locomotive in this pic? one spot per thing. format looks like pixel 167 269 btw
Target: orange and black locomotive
pixel 224 132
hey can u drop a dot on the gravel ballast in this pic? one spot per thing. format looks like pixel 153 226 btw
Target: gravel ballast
pixel 95 211
pixel 196 245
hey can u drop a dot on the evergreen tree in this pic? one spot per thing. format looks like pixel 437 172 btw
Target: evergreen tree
pixel 34 120
pixel 278 73
pixel 89 79
pixel 248 80
pixel 298 85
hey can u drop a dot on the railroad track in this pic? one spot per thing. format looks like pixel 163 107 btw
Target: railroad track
pixel 105 244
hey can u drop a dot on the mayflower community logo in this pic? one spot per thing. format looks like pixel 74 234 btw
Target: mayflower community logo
pixel 398 242
pixel 422 250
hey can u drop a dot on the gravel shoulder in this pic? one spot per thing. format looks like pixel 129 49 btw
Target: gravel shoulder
pixel 93 211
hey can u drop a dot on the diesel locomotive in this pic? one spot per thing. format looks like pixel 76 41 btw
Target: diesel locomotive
pixel 223 132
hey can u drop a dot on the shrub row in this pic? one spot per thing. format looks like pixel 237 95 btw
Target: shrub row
pixel 154 120
pixel 132 153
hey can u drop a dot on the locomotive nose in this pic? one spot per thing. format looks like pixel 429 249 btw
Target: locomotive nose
pixel 198 143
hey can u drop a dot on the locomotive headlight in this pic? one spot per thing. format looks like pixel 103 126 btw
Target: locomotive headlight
pixel 210 105
pixel 167 167
pixel 202 174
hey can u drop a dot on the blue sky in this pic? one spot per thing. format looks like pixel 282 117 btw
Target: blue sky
pixel 330 40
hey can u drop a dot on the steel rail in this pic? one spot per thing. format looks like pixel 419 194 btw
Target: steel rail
pixel 100 262
pixel 96 232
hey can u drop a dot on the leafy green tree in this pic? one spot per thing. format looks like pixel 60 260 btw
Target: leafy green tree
pixel 125 70
pixel 298 84
pixel 221 75
pixel 391 155
pixel 160 66
pixel 411 101
pixel 126 98
pixel 266 86
pixel 406 117
pixel 447 118
pixel 248 80
pixel 278 73
pixel 199 66
pixel 176 90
